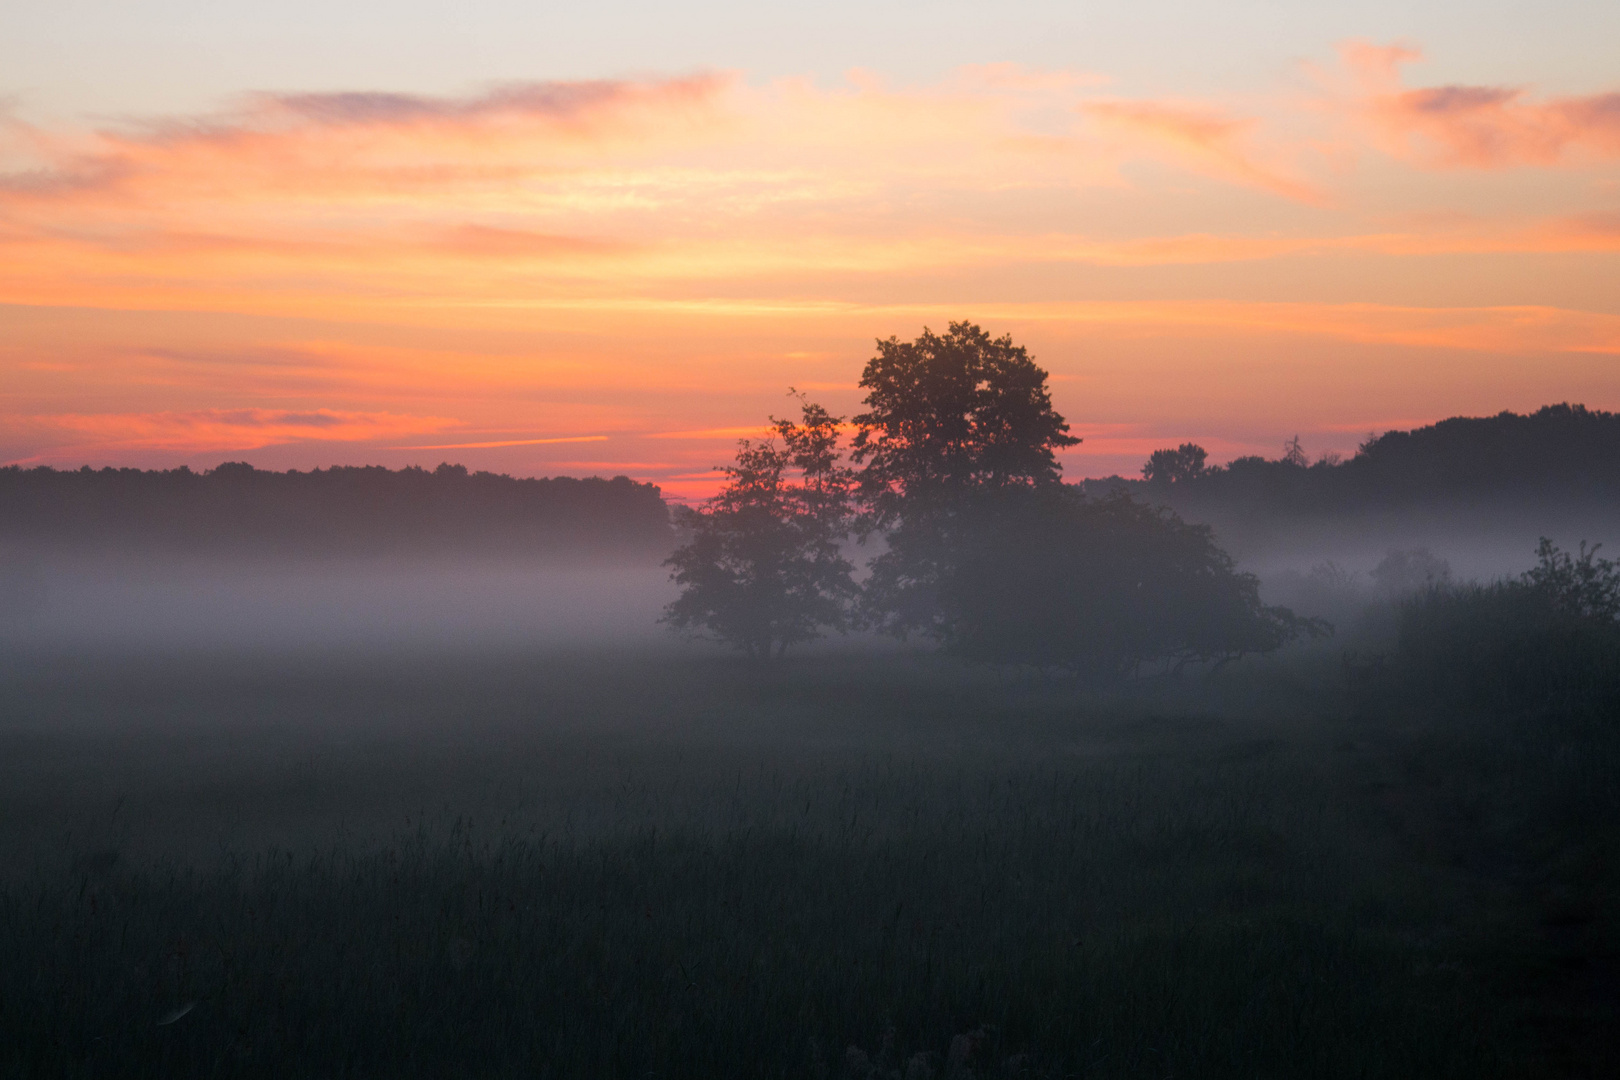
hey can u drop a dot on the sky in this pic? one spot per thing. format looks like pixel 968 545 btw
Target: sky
pixel 607 239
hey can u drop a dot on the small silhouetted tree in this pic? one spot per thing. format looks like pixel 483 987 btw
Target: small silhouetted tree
pixel 763 568
pixel 1580 586
pixel 950 419
pixel 1177 466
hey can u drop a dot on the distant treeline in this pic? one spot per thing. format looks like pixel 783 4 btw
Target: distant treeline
pixel 1560 453
pixel 342 510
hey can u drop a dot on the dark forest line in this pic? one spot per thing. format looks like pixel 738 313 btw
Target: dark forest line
pixel 1559 452
pixel 346 510
pixel 1558 456
pixel 1555 471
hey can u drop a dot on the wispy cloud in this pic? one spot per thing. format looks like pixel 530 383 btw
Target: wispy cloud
pixel 348 142
pixel 239 429
pixel 585 103
pixel 713 433
pixel 495 443
pixel 656 258
pixel 535 193
pixel 1206 139
pixel 1478 127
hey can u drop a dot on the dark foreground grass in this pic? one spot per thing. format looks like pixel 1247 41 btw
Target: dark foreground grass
pixel 843 867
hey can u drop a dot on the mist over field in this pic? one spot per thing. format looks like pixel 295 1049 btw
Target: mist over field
pixel 222 600
pixel 1476 543
pixel 59 603
pixel 854 541
pixel 1482 540
pixel 414 603
pixel 1267 768
pixel 359 559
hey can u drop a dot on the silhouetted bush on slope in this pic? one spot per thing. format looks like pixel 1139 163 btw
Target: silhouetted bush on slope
pixel 342 510
pixel 1549 639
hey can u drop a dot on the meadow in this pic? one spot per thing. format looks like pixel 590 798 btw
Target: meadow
pixel 641 863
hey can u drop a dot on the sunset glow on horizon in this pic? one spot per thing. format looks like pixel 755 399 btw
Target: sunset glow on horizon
pixel 622 275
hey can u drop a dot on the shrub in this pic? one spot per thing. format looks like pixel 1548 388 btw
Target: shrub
pixel 1549 639
pixel 1102 586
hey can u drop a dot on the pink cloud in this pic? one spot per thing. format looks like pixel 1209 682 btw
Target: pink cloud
pixel 238 429
pixel 499 443
pixel 339 140
pixel 1203 137
pixel 1478 127
pixel 582 102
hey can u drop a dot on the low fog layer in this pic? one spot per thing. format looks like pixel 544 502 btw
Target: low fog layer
pixel 239 557
pixel 1331 569
pixel 1481 541
pixel 446 603
pixel 443 603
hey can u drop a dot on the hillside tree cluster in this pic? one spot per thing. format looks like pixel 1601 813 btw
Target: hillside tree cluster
pixel 1559 452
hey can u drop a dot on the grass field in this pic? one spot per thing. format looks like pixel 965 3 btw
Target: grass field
pixel 644 865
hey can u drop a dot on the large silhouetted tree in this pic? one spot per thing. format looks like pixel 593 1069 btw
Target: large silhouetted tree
pixel 986 550
pixel 762 569
pixel 950 420
pixel 947 415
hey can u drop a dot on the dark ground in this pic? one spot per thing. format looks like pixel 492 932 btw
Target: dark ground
pixel 643 865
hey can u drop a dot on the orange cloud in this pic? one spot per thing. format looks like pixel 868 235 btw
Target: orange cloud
pixel 1207 139
pixel 501 443
pixel 639 375
pixel 1478 127
pixel 1517 329
pixel 655 260
pixel 752 431
pixel 566 171
pixel 338 143
pixel 238 429
pixel 364 205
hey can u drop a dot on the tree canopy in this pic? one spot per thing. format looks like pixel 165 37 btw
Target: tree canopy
pixel 1177 466
pixel 953 414
pixel 950 419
